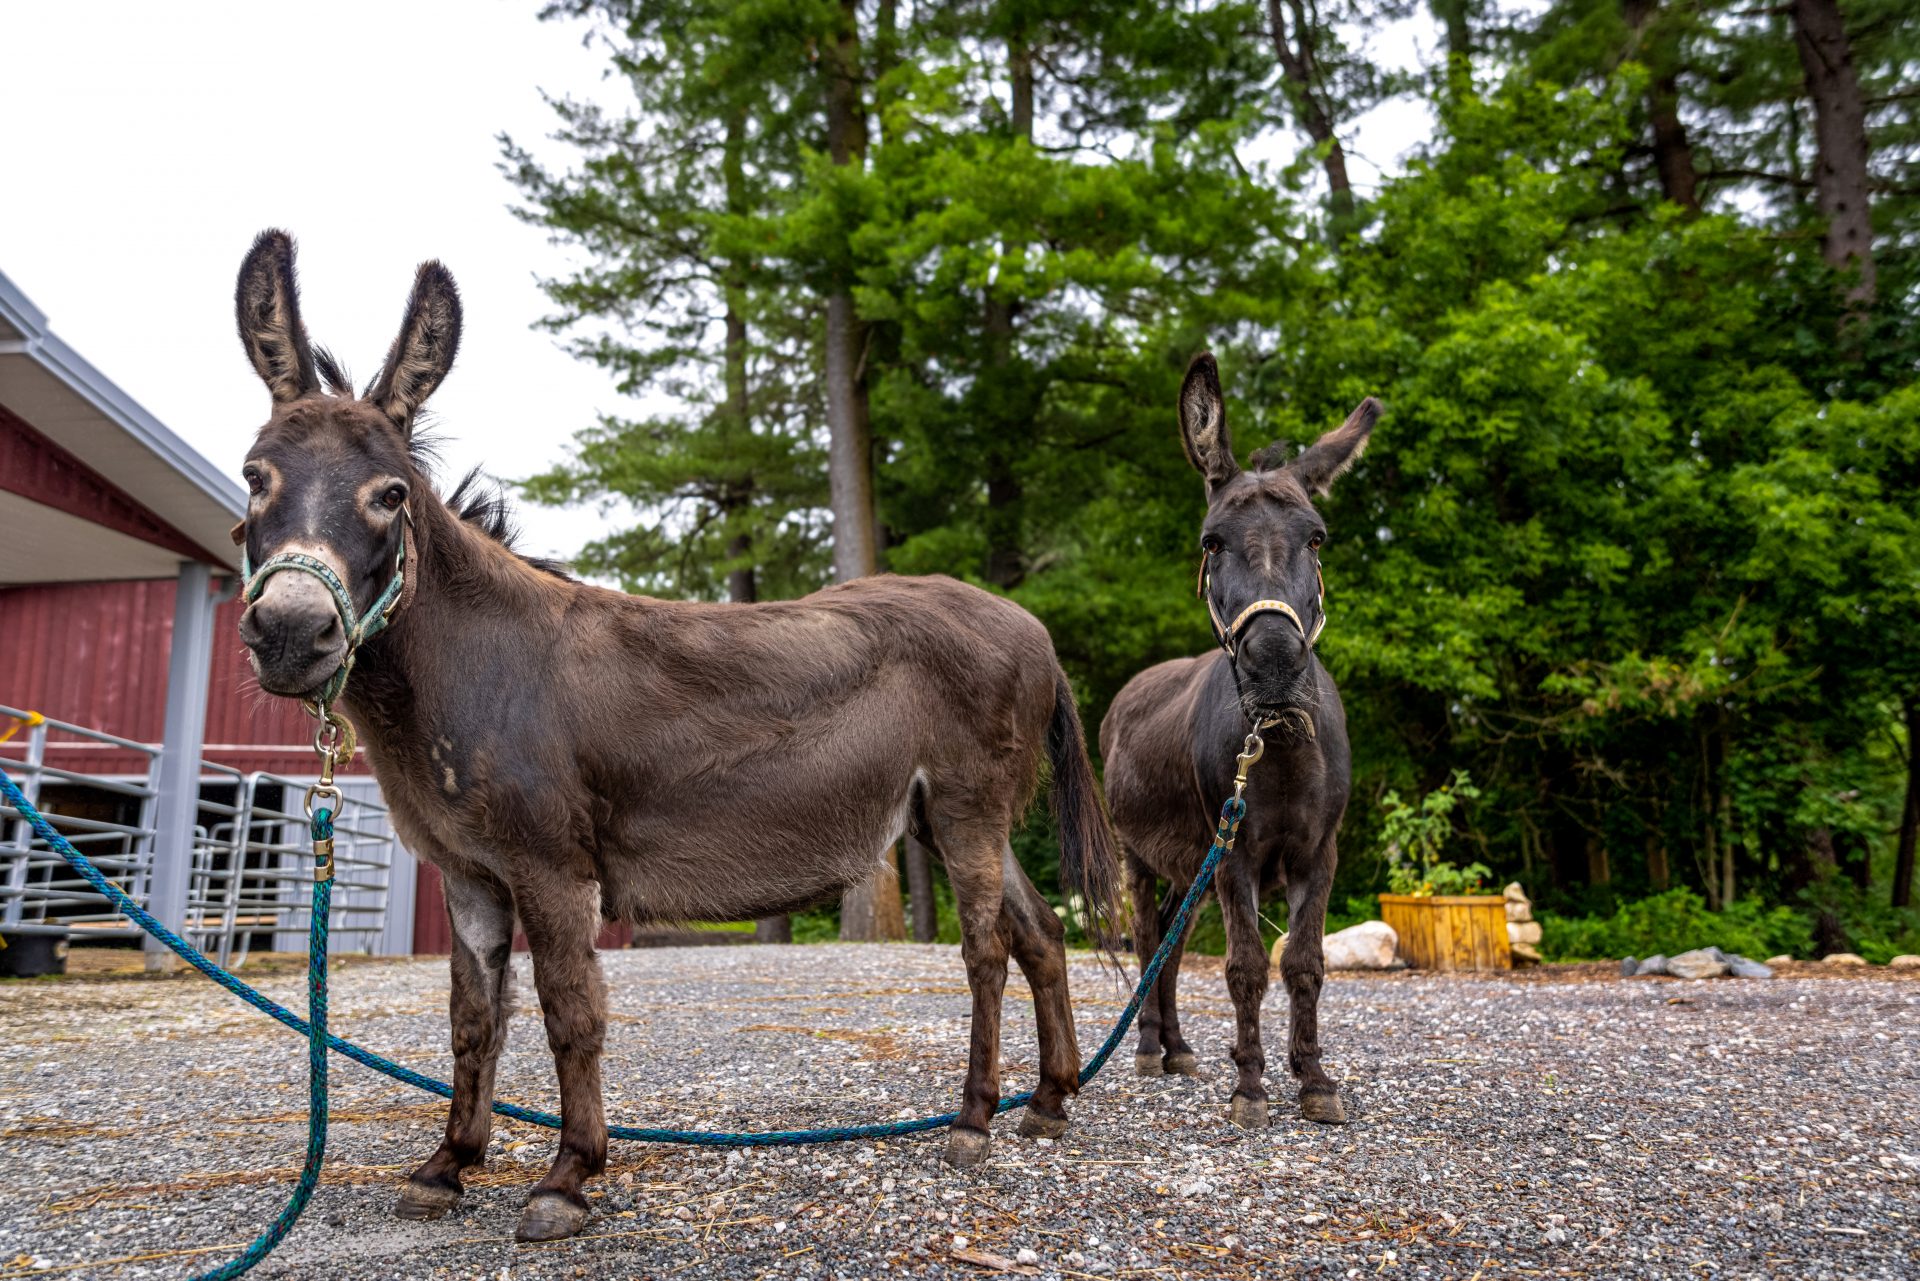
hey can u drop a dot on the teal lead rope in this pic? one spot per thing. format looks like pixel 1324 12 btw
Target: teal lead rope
pixel 316 1064
pixel 1231 813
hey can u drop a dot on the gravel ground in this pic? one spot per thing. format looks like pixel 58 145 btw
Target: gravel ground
pixel 1558 1122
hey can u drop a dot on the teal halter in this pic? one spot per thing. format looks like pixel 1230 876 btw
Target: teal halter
pixel 359 628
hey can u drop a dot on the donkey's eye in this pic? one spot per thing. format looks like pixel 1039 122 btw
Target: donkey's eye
pixel 395 495
pixel 1211 544
pixel 256 483
pixel 1316 540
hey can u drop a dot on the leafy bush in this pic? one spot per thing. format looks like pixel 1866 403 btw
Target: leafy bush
pixel 1673 922
pixel 1415 835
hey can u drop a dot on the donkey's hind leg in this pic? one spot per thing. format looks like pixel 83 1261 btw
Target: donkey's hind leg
pixel 481 910
pixel 561 912
pixel 1161 1049
pixel 973 860
pixel 1039 943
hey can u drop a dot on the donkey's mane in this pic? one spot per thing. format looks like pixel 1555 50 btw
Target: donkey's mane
pixel 484 506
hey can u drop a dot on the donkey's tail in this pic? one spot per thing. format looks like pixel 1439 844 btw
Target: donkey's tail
pixel 1089 855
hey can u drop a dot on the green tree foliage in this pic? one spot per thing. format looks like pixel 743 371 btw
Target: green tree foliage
pixel 1635 542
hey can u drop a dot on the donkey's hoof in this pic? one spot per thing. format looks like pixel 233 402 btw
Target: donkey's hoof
pixel 1035 1124
pixel 1182 1063
pixel 966 1147
pixel 550 1216
pixel 1248 1114
pixel 1323 1106
pixel 1148 1065
pixel 426 1200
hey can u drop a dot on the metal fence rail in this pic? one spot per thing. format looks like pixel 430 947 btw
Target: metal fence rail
pixel 250 877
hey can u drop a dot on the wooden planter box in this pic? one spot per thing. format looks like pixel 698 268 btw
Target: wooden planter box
pixel 1450 931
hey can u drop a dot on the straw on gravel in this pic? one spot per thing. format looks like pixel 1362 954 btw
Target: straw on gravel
pixel 1559 1122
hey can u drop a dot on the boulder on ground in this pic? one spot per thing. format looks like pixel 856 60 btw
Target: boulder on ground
pixel 1652 965
pixel 1701 963
pixel 1369 945
pixel 1906 961
pixel 1742 968
pixel 1782 959
pixel 1843 958
pixel 1629 966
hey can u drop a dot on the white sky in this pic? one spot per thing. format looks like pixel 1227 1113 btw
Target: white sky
pixel 145 145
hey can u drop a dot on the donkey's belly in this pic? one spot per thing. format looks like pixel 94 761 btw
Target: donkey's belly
pixel 751 851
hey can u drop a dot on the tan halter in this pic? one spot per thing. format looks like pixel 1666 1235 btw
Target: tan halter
pixel 1229 636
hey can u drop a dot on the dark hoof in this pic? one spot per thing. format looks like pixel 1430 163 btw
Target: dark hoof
pixel 426 1200
pixel 1248 1114
pixel 966 1147
pixel 1035 1124
pixel 1148 1065
pixel 550 1216
pixel 1182 1063
pixel 1323 1106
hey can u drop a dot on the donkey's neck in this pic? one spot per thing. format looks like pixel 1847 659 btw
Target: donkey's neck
pixel 477 612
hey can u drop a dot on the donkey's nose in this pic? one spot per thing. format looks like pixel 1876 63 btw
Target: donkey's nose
pixel 1271 643
pixel 295 634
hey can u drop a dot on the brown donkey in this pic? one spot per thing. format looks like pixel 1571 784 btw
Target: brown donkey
pixel 1170 738
pixel 567 754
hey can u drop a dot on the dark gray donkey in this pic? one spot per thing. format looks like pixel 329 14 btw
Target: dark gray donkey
pixel 564 753
pixel 1170 739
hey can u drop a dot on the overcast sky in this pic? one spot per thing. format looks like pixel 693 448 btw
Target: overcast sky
pixel 146 144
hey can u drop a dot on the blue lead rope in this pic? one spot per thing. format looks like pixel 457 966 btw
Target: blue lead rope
pixel 318 1037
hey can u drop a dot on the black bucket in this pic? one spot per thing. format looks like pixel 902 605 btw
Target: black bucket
pixel 28 956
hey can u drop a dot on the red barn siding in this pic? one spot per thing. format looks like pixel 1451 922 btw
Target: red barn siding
pixel 95 654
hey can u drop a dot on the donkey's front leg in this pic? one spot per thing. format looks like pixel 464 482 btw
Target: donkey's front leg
pixel 1247 985
pixel 561 913
pixel 481 910
pixel 1303 967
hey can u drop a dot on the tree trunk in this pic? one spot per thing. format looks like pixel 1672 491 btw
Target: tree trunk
pixel 1599 865
pixel 1653 47
pixel 1840 141
pixel 1659 874
pixel 872 911
pixel 1723 808
pixel 1300 69
pixel 1455 20
pixel 1006 555
pixel 1909 814
pixel 926 912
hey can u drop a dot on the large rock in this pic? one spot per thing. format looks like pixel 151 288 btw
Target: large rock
pixel 1842 958
pixel 1655 964
pixel 1523 931
pixel 1369 945
pixel 1701 963
pixel 1906 961
pixel 1519 906
pixel 1782 959
pixel 1742 968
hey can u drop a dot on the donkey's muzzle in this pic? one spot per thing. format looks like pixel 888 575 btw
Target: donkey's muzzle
pixel 295 635
pixel 1272 644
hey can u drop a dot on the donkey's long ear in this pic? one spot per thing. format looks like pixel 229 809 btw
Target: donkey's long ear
pixel 424 351
pixel 1203 423
pixel 1326 459
pixel 267 304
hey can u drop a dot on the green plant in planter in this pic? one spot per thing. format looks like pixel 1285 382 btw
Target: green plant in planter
pixel 1415 835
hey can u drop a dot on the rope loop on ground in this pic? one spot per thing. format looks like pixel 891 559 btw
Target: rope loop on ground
pixel 319 1040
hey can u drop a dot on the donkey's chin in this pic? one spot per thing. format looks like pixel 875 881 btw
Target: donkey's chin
pixel 1283 700
pixel 290 681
